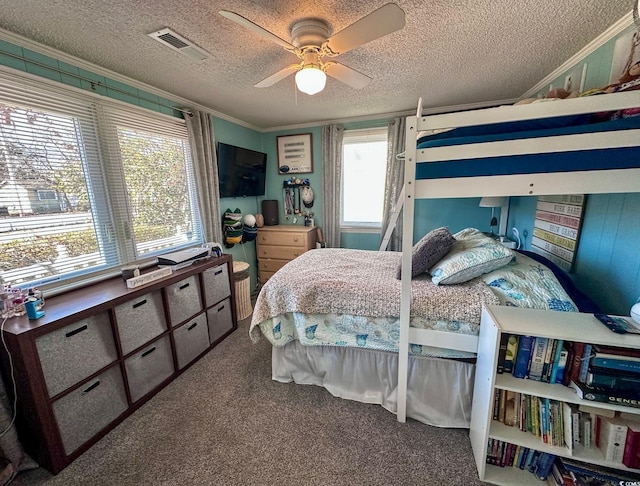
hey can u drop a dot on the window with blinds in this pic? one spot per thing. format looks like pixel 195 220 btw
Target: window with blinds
pixel 364 167
pixel 87 184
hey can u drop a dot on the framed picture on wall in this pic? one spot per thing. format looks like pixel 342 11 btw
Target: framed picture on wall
pixel 295 154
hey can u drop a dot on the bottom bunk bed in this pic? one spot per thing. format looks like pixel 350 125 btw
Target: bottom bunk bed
pixel 332 316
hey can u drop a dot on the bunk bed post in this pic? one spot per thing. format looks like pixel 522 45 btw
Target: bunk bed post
pixel 407 246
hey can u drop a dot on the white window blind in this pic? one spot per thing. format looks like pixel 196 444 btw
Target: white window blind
pixel 364 165
pixel 87 184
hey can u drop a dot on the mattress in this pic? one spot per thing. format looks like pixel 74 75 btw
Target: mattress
pixel 566 161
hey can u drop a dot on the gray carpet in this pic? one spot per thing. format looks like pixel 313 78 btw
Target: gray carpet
pixel 225 422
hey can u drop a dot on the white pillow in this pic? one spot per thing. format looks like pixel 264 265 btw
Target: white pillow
pixel 472 255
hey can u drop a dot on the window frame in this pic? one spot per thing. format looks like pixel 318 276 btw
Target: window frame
pixel 375 134
pixel 103 187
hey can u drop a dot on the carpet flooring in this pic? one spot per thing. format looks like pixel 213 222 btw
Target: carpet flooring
pixel 225 422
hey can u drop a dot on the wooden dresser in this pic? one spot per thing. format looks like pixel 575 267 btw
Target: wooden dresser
pixel 279 244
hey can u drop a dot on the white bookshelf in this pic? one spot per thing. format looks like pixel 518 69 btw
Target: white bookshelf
pixel 569 326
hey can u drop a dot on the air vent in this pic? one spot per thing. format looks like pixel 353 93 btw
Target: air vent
pixel 180 44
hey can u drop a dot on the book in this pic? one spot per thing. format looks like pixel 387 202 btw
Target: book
pixel 562 363
pixel 584 364
pixel 565 374
pixel 604 396
pixel 586 473
pixel 571 429
pixel 613 435
pixel 521 364
pixel 510 407
pixel 612 379
pixel 616 362
pixel 537 358
pixel 502 352
pixel 510 356
pixel 618 351
pixel 631 455
pixel 555 360
pixel 573 367
pixel 543 467
pixel 548 360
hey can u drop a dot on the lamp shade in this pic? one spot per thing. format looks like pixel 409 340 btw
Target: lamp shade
pixel 311 80
pixel 493 202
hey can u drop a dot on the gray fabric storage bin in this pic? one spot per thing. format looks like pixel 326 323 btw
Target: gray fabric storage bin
pixel 85 411
pixel 219 320
pixel 140 320
pixel 216 284
pixel 184 299
pixel 149 367
pixel 74 352
pixel 191 339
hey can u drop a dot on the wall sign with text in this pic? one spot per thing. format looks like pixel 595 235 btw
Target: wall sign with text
pixel 295 154
pixel 557 228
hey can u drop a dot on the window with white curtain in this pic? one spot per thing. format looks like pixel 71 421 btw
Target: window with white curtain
pixel 364 165
pixel 87 184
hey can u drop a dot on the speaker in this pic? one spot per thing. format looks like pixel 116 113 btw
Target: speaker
pixel 270 212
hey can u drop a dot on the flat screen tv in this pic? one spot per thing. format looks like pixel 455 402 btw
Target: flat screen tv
pixel 241 171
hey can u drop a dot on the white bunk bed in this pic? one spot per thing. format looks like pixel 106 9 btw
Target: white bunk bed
pixel 617 170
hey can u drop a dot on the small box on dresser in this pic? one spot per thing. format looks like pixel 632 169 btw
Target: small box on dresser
pixel 278 245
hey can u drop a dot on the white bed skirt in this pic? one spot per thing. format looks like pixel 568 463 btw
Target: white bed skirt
pixel 439 390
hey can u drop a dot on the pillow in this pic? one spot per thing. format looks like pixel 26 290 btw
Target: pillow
pixel 431 248
pixel 472 255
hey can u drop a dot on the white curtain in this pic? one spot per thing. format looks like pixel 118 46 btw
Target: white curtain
pixel 203 153
pixel 332 174
pixel 394 181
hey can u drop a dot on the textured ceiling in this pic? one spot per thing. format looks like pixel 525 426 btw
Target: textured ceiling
pixel 450 52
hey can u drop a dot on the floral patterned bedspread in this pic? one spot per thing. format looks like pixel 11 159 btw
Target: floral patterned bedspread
pixel 319 299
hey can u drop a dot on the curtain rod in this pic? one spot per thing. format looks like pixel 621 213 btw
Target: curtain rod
pixel 93 82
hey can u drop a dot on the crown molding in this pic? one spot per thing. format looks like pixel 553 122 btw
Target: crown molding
pixel 27 43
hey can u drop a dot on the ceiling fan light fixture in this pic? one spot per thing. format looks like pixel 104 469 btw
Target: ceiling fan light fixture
pixel 311 80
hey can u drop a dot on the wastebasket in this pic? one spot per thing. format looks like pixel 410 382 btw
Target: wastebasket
pixel 242 287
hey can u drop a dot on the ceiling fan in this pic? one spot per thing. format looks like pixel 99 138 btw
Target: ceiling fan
pixel 311 42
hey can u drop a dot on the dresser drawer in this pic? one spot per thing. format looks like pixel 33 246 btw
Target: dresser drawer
pixel 280 252
pixel 140 320
pixel 219 320
pixel 149 367
pixel 216 284
pixel 288 238
pixel 271 265
pixel 184 300
pixel 191 340
pixel 87 410
pixel 74 352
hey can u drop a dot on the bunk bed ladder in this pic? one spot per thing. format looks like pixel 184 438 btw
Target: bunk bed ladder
pixel 392 221
pixel 407 245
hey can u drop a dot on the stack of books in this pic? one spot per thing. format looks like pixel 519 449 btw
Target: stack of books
pixel 535 358
pixel 569 472
pixel 612 376
pixel 506 454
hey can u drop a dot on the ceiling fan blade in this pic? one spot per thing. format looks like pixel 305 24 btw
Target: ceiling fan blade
pixel 347 75
pixel 279 76
pixel 385 20
pixel 239 19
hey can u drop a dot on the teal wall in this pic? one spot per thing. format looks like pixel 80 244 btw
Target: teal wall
pixel 607 265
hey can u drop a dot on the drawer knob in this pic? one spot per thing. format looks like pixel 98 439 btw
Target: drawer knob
pixel 295 239
pixel 95 385
pixel 184 286
pixel 148 352
pixel 220 308
pixel 218 272
pixel 138 304
pixel 192 326
pixel 76 331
